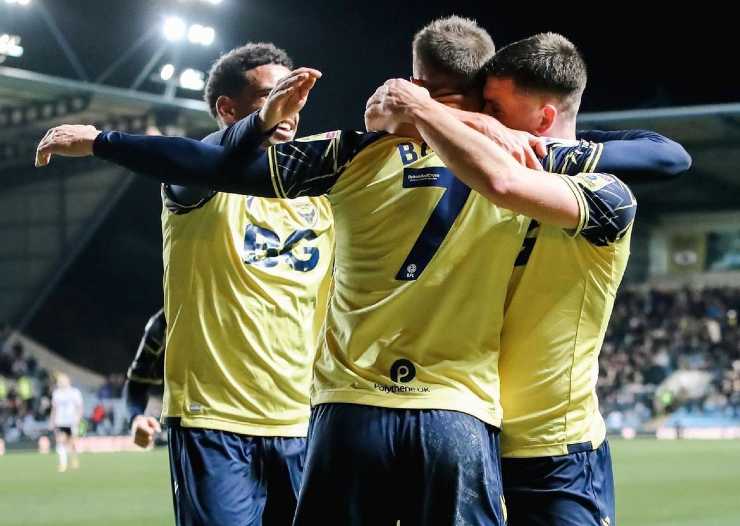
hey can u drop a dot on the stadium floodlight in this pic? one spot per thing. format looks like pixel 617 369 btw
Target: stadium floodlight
pixel 192 79
pixel 211 2
pixel 10 45
pixel 19 2
pixel 174 28
pixel 203 35
pixel 209 35
pixel 167 71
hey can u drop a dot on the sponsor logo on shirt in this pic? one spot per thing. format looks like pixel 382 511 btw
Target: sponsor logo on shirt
pixel 402 372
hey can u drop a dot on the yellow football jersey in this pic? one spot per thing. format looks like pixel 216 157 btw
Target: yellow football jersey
pixel 421 270
pixel 558 308
pixel 246 284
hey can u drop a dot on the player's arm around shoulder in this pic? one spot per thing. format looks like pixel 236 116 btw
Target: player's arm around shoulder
pixel 487 168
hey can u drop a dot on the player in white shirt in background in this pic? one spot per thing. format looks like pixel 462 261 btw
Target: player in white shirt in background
pixel 66 413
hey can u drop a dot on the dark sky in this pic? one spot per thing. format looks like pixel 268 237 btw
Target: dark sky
pixel 637 58
pixel 95 316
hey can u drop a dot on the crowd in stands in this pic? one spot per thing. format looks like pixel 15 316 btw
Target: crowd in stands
pixel 655 334
pixel 25 394
pixel 25 399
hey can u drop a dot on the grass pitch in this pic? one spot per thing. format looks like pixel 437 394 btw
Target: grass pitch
pixel 659 483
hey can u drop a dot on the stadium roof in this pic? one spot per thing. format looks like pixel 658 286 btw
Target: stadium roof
pixel 46 218
pixel 711 134
pixel 18 85
pixel 32 102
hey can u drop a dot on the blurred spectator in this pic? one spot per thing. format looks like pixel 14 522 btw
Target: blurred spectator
pixel 97 417
pixel 112 388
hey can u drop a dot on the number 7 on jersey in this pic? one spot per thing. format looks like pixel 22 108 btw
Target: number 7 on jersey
pixel 440 222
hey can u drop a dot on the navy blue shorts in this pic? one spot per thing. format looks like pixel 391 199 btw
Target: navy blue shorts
pixel 226 479
pixel 568 490
pixel 374 466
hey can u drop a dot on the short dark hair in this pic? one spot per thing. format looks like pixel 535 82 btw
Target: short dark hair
pixel 546 62
pixel 227 73
pixel 456 46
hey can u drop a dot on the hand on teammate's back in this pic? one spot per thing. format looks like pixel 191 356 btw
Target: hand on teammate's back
pixel 288 97
pixel 143 429
pixel 68 140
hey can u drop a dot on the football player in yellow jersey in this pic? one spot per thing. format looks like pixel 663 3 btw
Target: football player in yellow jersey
pixel 246 284
pixel 556 466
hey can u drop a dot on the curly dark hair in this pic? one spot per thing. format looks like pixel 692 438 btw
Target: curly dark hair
pixel 227 73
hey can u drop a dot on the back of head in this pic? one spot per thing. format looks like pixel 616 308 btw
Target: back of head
pixel 454 47
pixel 545 63
pixel 227 75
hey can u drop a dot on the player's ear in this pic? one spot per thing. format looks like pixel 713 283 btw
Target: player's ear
pixel 548 115
pixel 225 108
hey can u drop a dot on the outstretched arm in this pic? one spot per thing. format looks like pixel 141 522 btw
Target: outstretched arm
pixel 235 165
pixel 638 155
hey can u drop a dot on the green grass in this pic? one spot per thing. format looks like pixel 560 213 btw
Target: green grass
pixel 686 483
pixel 677 483
pixel 109 489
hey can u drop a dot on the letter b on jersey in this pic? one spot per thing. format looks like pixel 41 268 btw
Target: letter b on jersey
pixel 403 371
pixel 407 152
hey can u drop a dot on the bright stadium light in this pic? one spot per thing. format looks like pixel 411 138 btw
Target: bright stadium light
pixel 10 45
pixel 167 71
pixel 19 2
pixel 192 79
pixel 212 2
pixel 174 28
pixel 208 35
pixel 203 35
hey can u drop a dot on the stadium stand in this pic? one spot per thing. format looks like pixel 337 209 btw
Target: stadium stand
pixel 26 383
pixel 672 351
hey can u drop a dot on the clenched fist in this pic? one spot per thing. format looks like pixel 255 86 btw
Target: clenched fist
pixel 143 429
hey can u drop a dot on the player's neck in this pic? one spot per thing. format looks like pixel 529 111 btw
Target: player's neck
pixel 563 129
